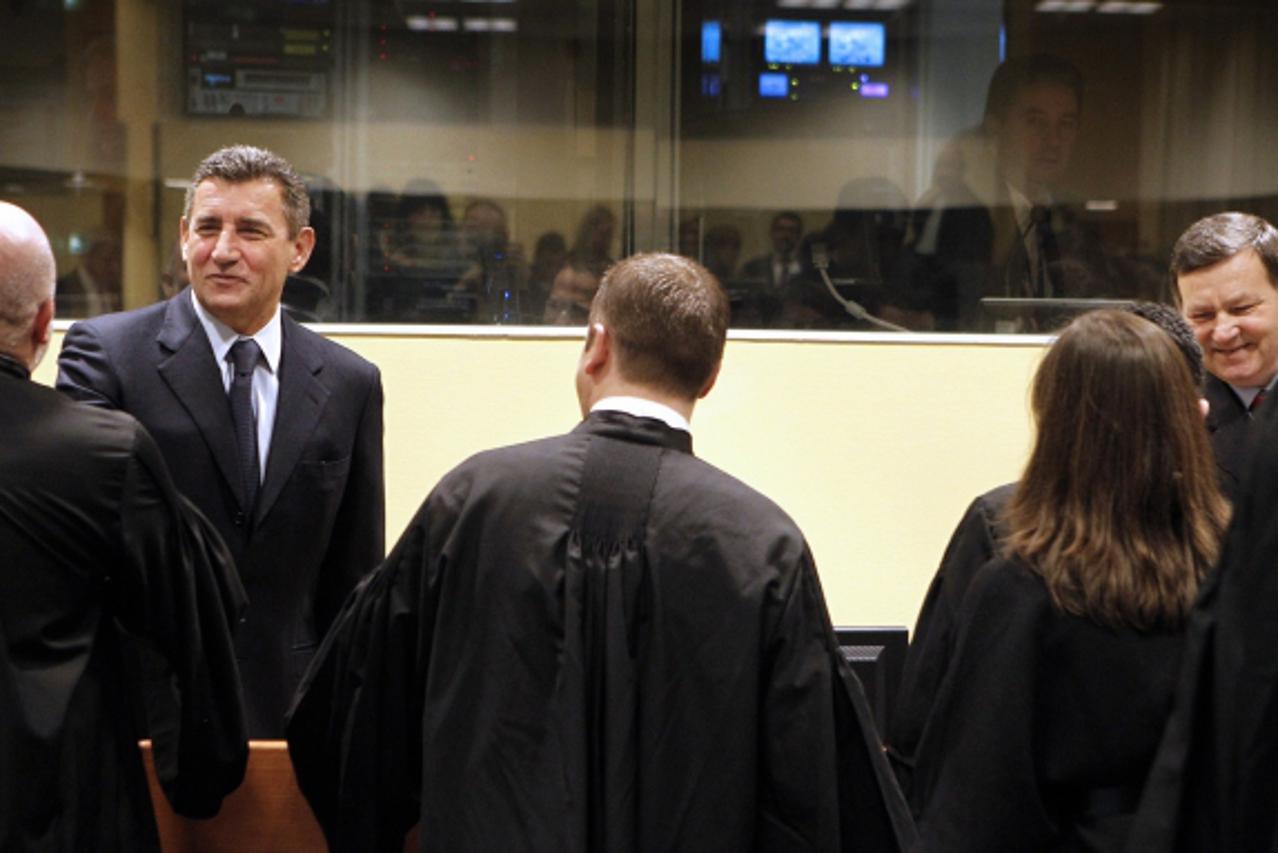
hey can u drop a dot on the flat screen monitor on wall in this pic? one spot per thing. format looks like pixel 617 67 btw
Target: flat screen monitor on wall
pixel 791 42
pixel 861 44
pixel 711 42
pixel 774 84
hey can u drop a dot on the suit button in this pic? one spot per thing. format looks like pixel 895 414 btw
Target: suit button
pixel 239 519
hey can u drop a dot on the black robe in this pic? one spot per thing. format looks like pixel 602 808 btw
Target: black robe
pixel 98 553
pixel 975 542
pixel 1231 427
pixel 1214 784
pixel 1045 725
pixel 594 642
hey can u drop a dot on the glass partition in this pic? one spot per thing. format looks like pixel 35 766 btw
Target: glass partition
pixel 929 165
pixel 965 165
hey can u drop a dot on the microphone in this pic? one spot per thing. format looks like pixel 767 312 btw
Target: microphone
pixel 821 260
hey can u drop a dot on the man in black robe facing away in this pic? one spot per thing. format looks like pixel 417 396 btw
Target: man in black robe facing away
pixel 96 546
pixel 597 641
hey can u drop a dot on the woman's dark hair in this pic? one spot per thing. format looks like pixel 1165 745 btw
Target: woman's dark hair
pixel 1118 509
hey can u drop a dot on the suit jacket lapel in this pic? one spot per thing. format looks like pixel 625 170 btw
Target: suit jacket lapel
pixel 191 374
pixel 297 412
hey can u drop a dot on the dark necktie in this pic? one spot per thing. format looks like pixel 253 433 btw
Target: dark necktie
pixel 1049 252
pixel 244 356
pixel 1257 400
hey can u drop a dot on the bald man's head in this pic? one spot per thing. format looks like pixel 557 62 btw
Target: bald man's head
pixel 27 273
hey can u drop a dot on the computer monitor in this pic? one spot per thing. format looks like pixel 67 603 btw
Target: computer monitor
pixel 861 44
pixel 791 42
pixel 774 84
pixel 877 656
pixel 1046 314
pixel 711 42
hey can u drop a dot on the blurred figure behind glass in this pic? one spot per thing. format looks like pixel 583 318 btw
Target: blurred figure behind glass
pixel 94 286
pixel 497 278
pixel 575 285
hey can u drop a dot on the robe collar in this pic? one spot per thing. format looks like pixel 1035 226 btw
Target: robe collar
pixel 642 407
pixel 10 365
pixel 619 425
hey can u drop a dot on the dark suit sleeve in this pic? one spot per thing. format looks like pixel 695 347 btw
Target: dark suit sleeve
pixel 85 370
pixel 178 592
pixel 358 541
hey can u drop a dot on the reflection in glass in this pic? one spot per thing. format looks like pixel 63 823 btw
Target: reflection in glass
pixel 480 162
pixel 948 189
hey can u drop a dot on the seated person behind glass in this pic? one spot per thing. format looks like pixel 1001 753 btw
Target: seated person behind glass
pixel 862 245
pixel 421 238
pixel 550 253
pixel 765 278
pixel 497 279
pixel 575 285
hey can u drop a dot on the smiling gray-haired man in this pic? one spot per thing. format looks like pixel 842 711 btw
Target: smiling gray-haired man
pixel 273 431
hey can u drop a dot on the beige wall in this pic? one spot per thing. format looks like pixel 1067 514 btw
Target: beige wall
pixel 875 448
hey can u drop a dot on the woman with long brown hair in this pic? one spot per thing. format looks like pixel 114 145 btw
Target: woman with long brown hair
pixel 1069 642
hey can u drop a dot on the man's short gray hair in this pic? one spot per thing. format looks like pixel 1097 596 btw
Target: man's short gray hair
pixel 1219 237
pixel 237 164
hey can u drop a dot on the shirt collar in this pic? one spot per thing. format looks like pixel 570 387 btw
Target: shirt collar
pixel 643 408
pixel 1021 206
pixel 222 336
pixel 1247 395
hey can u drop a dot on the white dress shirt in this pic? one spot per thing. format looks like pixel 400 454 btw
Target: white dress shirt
pixel 266 376
pixel 642 408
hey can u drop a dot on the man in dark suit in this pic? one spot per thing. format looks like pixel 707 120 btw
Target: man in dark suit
pixel 1033 112
pixel 766 279
pixel 997 203
pixel 1226 272
pixel 597 641
pixel 273 431
pixel 96 546
pixel 776 268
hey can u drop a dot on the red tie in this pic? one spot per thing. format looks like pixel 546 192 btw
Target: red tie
pixel 1257 400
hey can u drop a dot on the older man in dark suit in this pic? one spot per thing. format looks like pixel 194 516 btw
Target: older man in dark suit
pixel 97 550
pixel 273 431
